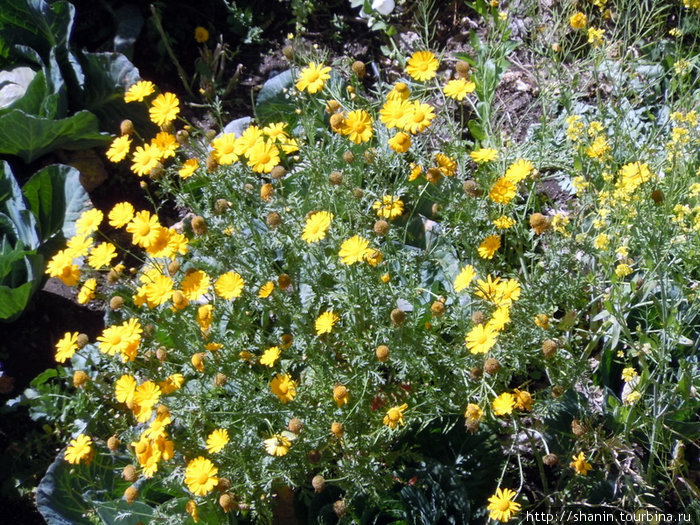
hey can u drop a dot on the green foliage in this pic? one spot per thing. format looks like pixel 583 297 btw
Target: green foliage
pixel 33 220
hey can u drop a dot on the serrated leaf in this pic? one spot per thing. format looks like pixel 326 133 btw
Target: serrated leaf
pixel 30 137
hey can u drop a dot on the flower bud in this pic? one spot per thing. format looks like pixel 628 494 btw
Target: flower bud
pixel 295 425
pixel 318 483
pixel 130 494
pixel 358 67
pixel 398 316
pixel 492 366
pixel 199 225
pixel 348 157
pixel 381 227
pixel 550 459
pixel 382 353
pixel 80 378
pixel 549 348
pixel 226 502
pixel 129 473
pixel 437 308
pixel 113 443
pixel 116 302
pixel 126 127
pixel 273 220
pixel 278 172
pixel 82 340
pixel 337 429
pixel 336 178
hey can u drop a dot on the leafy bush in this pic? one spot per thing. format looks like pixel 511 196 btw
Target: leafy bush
pixel 352 275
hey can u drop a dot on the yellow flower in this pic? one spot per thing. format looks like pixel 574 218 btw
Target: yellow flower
pixel 166 144
pixel 279 444
pixel 87 292
pixel 623 270
pixel 164 109
pixel 628 374
pixel 502 506
pixel 200 476
pixel 145 158
pixel 88 222
pixel 192 510
pixel 102 255
pixel 124 389
pixel 464 279
pixel 483 155
pixel 389 207
pixel 313 77
pixel 79 449
pixel 400 142
pixel 473 412
pixel 266 290
pixel 325 321
pixel 78 245
pixel 459 88
pixel 399 91
pixel 139 91
pixel 121 214
pixel 447 165
pixel 188 168
pixel 578 20
pixel 357 126
pixel 481 339
pixel 519 170
pixel 341 396
pixel 523 399
pixel 316 226
pixel 601 241
pixel 489 246
pixel 119 148
pixel 394 416
pixel 201 34
pixel 503 191
pixel 248 140
pixel 66 347
pixel 393 112
pixel 263 156
pixel 217 440
pixel 418 117
pixel 595 36
pixel 270 356
pixel 229 285
pixel 542 321
pixel 284 387
pixel 580 465
pixel 503 222
pixel 422 66
pixel 503 404
pixel 224 147
pixel 353 250
pixel 144 228
pixel 195 284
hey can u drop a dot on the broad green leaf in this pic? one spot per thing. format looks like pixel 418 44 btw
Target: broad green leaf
pixel 14 85
pixel 13 301
pixel 12 205
pixel 476 130
pixel 273 104
pixel 31 137
pixel 48 192
pixel 37 24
